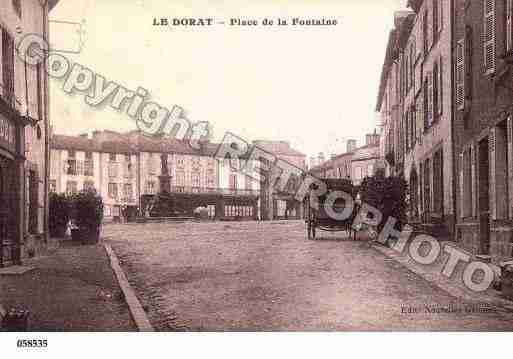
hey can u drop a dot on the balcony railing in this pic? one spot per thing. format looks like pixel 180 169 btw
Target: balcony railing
pixel 210 190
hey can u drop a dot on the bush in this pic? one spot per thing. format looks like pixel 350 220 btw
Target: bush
pixel 388 194
pixel 59 214
pixel 87 214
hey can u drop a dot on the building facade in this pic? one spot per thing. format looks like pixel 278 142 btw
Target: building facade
pixel 415 102
pixel 483 99
pixel 276 204
pixel 24 135
pixel 355 164
pixel 131 169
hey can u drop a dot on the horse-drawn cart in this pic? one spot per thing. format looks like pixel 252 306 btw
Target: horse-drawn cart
pixel 318 214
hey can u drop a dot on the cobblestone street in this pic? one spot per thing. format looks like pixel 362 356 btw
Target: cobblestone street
pixel 268 276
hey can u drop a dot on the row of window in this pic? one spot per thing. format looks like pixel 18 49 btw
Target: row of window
pixel 113 191
pixel 427 109
pixel 412 53
pixel 361 172
pixel 426 188
pixel 72 154
pixel 152 164
pixel 71 186
pixel 484 168
pixel 86 168
pixel 234 185
pixel 464 49
pixel 195 178
pixel 79 168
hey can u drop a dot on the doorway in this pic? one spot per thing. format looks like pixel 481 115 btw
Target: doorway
pixel 484 196
pixel 7 213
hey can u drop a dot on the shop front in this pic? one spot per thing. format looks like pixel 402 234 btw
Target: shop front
pixel 11 186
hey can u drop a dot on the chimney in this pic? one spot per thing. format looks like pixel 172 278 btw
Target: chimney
pixel 351 145
pixel 332 156
pixel 321 157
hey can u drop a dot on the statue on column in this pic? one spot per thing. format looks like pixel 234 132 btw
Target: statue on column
pixel 163 162
pixel 165 178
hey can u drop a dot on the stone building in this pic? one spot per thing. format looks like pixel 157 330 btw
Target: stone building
pixel 364 160
pixel 415 102
pixel 281 204
pixel 355 164
pixel 24 134
pixel 483 100
pixel 131 169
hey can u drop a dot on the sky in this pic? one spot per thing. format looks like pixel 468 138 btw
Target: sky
pixel 313 86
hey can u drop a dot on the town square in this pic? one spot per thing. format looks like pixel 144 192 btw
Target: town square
pixel 212 167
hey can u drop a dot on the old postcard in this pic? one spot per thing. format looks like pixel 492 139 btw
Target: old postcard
pixel 255 166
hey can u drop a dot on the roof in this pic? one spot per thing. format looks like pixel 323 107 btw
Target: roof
pixel 136 141
pixel 62 142
pixel 329 163
pixel 279 148
pixel 323 166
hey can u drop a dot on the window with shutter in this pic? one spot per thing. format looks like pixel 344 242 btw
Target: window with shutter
pixel 462 189
pixel 493 172
pixel 7 67
pixel 489 36
pixel 441 16
pixel 113 190
pixel 473 178
pixel 436 77
pixel 407 130
pixel 430 98
pixel 419 118
pixel 425 33
pixel 509 25
pixel 412 64
pixel 406 66
pixel 468 63
pixel 425 106
pixel 460 74
pixel 440 86
pixel 80 168
pixel 435 20
pixel 413 127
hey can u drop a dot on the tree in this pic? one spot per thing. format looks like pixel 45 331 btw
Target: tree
pixel 388 195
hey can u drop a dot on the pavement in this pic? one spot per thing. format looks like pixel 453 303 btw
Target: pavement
pixel 266 276
pixel 453 285
pixel 71 288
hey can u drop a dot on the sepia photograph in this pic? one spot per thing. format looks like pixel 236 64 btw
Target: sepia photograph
pixel 276 171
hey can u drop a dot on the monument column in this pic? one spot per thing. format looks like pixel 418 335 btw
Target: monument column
pixel 164 178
